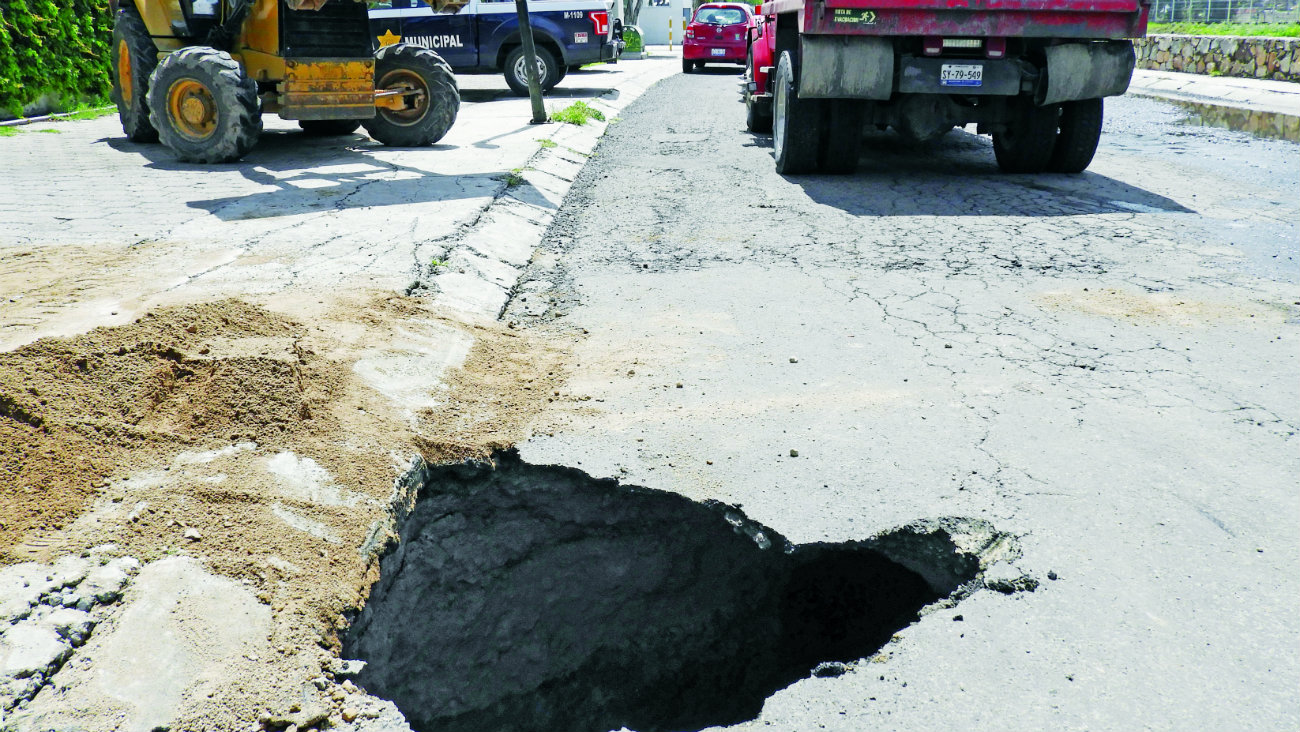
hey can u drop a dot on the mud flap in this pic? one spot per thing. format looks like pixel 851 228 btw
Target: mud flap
pixel 846 67
pixel 1086 71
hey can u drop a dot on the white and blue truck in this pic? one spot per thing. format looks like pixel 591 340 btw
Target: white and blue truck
pixel 482 36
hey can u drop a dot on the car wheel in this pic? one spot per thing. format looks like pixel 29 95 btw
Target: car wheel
pixel 796 123
pixel 516 72
pixel 687 66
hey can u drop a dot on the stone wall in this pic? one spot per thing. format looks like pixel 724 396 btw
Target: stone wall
pixel 1250 57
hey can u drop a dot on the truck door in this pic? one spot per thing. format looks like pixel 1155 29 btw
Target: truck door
pixel 452 35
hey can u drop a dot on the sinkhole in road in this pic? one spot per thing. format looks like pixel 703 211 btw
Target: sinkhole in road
pixel 523 597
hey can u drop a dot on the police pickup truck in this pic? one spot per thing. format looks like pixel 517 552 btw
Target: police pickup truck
pixel 483 35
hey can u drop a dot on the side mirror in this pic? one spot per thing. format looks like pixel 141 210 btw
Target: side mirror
pixel 618 28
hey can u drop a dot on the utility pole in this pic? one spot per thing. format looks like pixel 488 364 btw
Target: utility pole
pixel 530 61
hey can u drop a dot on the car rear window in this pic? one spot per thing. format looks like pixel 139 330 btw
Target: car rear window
pixel 720 16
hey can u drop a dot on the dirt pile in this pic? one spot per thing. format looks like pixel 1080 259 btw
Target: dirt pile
pixel 256 443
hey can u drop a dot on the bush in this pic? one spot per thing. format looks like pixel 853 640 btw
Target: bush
pixel 55 49
pixel 632 37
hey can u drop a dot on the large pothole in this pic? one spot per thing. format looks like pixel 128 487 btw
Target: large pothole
pixel 528 597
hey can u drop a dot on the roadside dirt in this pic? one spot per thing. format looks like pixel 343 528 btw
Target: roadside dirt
pixel 252 441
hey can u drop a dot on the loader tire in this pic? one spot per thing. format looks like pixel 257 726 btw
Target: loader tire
pixel 1080 131
pixel 1026 145
pixel 434 96
pixel 204 107
pixel 134 57
pixel 796 123
pixel 327 127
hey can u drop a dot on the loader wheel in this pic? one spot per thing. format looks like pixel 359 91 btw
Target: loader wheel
pixel 1080 131
pixel 842 142
pixel 204 107
pixel 134 58
pixel 1027 143
pixel 796 123
pixel 429 89
pixel 758 116
pixel 326 127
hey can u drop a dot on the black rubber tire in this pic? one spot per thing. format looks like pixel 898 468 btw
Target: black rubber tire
pixel 1080 131
pixel 796 123
pixel 132 98
pixel 328 127
pixel 841 144
pixel 515 71
pixel 758 115
pixel 235 109
pixel 1027 143
pixel 687 66
pixel 426 70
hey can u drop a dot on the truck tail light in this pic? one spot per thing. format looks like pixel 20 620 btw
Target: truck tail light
pixel 600 22
pixel 995 47
pixel 932 45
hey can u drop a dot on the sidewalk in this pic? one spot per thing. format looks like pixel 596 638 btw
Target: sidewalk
pixel 1257 95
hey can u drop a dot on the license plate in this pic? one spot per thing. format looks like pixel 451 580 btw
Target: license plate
pixel 718 51
pixel 961 75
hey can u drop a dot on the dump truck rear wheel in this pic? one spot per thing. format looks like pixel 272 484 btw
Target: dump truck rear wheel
pixel 1026 145
pixel 796 123
pixel 1080 131
pixel 433 96
pixel 204 107
pixel 757 118
pixel 842 142
pixel 134 57
pixel 325 127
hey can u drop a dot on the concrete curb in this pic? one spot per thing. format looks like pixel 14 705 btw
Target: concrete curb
pixel 478 266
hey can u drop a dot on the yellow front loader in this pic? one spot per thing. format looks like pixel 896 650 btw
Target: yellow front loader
pixel 197 75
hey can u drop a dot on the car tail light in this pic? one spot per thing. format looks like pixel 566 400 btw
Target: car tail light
pixel 690 33
pixel 996 47
pixel 932 46
pixel 600 21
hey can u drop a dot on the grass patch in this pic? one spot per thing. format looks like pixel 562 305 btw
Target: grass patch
pixel 91 113
pixel 51 132
pixel 577 114
pixel 9 131
pixel 547 144
pixel 514 178
pixel 1276 30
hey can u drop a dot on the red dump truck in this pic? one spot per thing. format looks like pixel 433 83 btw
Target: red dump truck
pixel 1031 73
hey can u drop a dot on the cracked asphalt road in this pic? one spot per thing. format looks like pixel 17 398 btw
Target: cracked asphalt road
pixel 1104 365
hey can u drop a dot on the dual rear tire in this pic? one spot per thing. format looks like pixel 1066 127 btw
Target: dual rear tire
pixel 1057 138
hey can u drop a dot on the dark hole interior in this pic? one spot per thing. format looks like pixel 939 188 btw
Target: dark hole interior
pixel 536 598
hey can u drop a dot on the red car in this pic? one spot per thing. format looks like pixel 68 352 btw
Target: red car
pixel 718 33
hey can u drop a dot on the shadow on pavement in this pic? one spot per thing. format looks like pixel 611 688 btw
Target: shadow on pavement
pixel 957 175
pixel 313 174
